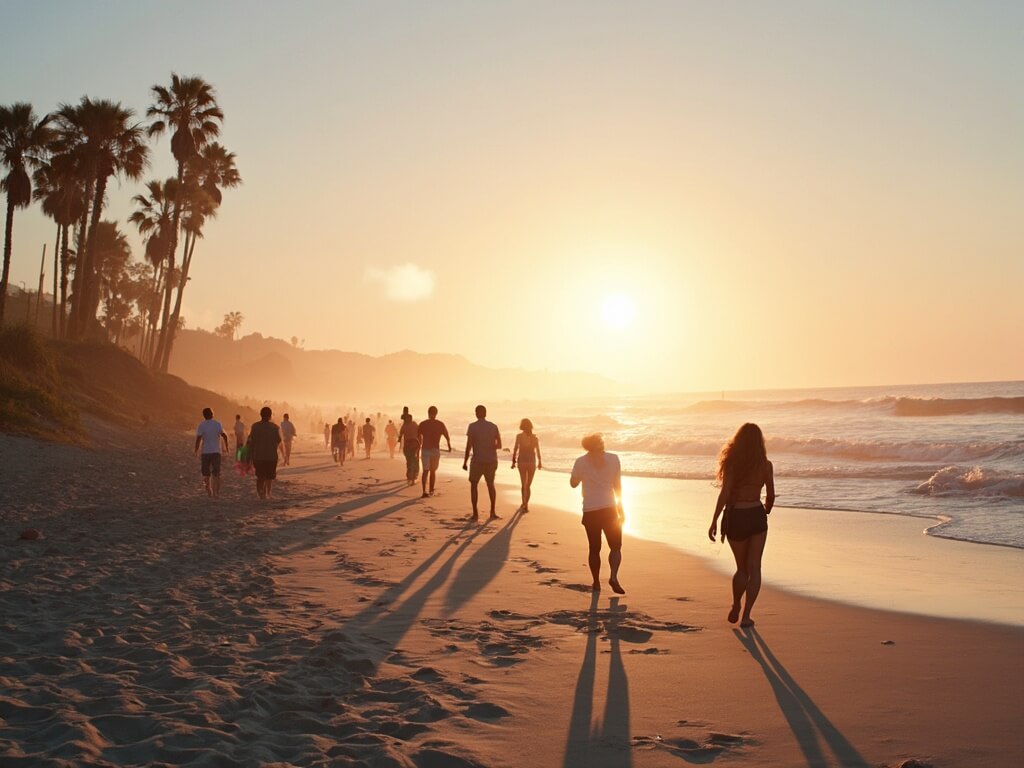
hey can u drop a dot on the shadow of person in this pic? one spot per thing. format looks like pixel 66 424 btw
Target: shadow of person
pixel 809 724
pixel 481 567
pixel 605 744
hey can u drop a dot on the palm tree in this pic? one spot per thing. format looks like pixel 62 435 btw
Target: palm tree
pixel 23 141
pixel 212 170
pixel 153 217
pixel 102 137
pixel 189 109
pixel 112 254
pixel 60 188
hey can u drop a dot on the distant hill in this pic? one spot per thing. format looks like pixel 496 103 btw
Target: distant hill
pixel 266 368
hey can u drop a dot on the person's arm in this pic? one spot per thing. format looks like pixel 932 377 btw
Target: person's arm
pixel 199 441
pixel 540 462
pixel 224 435
pixel 497 439
pixel 617 489
pixel 469 447
pixel 723 500
pixel 769 487
pixel 447 439
pixel 574 478
pixel 515 451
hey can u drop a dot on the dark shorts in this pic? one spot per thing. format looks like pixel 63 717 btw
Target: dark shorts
pixel 265 470
pixel 210 464
pixel 484 469
pixel 741 524
pixel 606 521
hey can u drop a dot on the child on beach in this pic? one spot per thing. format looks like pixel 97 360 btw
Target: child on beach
pixel 526 452
pixel 743 470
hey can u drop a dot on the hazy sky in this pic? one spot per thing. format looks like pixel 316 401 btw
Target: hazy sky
pixel 778 194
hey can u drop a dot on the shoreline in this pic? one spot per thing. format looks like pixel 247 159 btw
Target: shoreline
pixel 881 560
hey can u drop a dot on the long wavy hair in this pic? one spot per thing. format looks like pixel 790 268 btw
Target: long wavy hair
pixel 742 455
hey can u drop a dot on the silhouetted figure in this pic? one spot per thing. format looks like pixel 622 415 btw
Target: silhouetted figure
pixel 209 434
pixel 601 475
pixel 263 443
pixel 483 441
pixel 430 433
pixel 239 432
pixel 526 452
pixel 391 432
pixel 743 470
pixel 339 441
pixel 327 435
pixel 351 443
pixel 369 432
pixel 288 433
pixel 409 440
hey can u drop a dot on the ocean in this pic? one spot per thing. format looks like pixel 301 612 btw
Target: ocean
pixel 953 453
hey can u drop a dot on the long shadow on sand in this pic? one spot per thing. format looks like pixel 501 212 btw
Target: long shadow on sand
pixel 379 618
pixel 481 568
pixel 808 723
pixel 605 744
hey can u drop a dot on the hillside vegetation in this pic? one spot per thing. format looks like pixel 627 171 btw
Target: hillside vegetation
pixel 46 387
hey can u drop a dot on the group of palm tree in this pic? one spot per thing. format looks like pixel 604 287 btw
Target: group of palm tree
pixel 65 161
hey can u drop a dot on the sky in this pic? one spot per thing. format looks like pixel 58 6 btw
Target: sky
pixel 680 196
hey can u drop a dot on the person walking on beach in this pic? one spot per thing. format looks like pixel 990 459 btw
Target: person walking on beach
pixel 288 433
pixel 369 432
pixel 526 452
pixel 327 435
pixel 351 431
pixel 239 432
pixel 483 441
pixel 391 432
pixel 339 441
pixel 600 473
pixel 264 441
pixel 409 440
pixel 743 470
pixel 430 432
pixel 209 434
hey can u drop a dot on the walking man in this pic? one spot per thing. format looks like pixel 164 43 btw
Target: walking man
pixel 263 443
pixel 431 431
pixel 209 434
pixel 369 431
pixel 288 433
pixel 483 441
pixel 239 432
pixel 409 440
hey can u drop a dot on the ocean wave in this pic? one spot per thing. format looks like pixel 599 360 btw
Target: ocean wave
pixel 937 406
pixel 897 406
pixel 977 481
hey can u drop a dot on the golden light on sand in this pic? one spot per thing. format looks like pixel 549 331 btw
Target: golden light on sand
pixel 618 311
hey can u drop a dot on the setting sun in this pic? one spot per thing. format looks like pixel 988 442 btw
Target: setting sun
pixel 618 311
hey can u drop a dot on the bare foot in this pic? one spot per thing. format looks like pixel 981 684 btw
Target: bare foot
pixel 493 517
pixel 734 614
pixel 616 587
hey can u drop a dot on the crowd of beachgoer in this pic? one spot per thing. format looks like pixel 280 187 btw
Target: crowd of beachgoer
pixel 743 472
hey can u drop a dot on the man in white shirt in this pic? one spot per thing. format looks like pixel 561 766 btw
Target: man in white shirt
pixel 288 433
pixel 209 434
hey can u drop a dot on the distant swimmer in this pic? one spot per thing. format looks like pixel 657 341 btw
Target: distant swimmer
pixel 391 432
pixel 409 439
pixel 327 435
pixel 369 432
pixel 601 475
pixel 743 470
pixel 483 441
pixel 526 453
pixel 239 432
pixel 263 444
pixel 209 434
pixel 430 432
pixel 339 441
pixel 288 433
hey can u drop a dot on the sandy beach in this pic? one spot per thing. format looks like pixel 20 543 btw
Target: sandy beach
pixel 349 622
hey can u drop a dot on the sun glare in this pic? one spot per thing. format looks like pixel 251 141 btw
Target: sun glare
pixel 618 311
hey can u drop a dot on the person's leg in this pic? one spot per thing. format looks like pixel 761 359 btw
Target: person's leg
pixel 594 555
pixel 215 481
pixel 268 484
pixel 261 489
pixel 613 533
pixel 739 579
pixel 755 550
pixel 523 471
pixel 526 491
pixel 474 496
pixel 426 471
pixel 492 492
pixel 204 468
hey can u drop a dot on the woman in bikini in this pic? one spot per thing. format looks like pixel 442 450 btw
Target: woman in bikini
pixel 743 470
pixel 527 453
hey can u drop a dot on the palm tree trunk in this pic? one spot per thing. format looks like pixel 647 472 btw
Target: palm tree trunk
pixel 64 268
pixel 90 277
pixel 186 262
pixel 8 231
pixel 171 248
pixel 77 282
pixel 56 261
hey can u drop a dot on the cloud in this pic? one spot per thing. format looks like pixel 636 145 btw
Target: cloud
pixel 404 282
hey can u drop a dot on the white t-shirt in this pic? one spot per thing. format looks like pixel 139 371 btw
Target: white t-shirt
pixel 598 481
pixel 210 430
pixel 287 429
pixel 239 429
